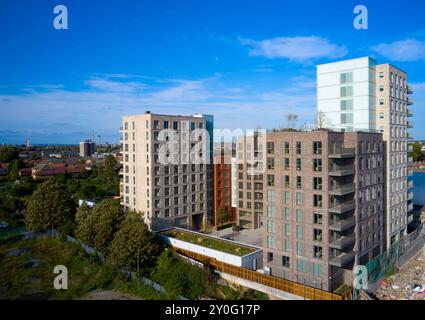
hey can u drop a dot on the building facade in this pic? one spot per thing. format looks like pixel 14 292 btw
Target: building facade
pixel 361 95
pixel 86 148
pixel 167 169
pixel 322 199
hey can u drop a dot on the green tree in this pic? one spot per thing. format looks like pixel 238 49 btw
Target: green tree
pixel 417 154
pixel 85 224
pixel 179 278
pixel 14 167
pixel 108 215
pixel 51 206
pixel 8 154
pixel 98 226
pixel 134 246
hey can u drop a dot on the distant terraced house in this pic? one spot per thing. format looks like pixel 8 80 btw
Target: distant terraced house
pixel 45 170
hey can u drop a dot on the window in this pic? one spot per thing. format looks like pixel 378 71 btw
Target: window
pixel 269 256
pixel 270 196
pixel 299 147
pixel 271 242
pixel 346 91
pixel 317 270
pixel 271 211
pixel 299 182
pixel 317 147
pixel 299 214
pixel 286 164
pixel 286 229
pixel 301 266
pixel 287 245
pixel 287 183
pixel 299 164
pixel 318 252
pixel 300 249
pixel 317 165
pixel 270 163
pixel 271 226
pixel 346 118
pixel 286 214
pixel 270 147
pixel 270 180
pixel 286 147
pixel 346 77
pixel 317 218
pixel 317 183
pixel 381 88
pixel 287 197
pixel 299 199
pixel 286 262
pixel 317 200
pixel 300 232
pixel 381 75
pixel 165 124
pixel 346 105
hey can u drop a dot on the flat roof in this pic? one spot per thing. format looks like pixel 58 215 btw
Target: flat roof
pixel 208 241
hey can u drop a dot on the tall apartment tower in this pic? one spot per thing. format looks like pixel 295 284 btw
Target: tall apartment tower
pixel 361 95
pixel 86 148
pixel 323 204
pixel 167 169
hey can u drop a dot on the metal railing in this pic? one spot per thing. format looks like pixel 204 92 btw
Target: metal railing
pixel 270 281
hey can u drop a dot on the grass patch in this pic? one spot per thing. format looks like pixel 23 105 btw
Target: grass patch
pixel 26 272
pixel 209 242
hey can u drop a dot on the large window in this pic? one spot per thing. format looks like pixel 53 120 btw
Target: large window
pixel 347 91
pixel 317 147
pixel 301 266
pixel 346 118
pixel 346 77
pixel 286 261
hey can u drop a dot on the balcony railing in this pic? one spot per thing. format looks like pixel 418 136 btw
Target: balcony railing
pixel 409 184
pixel 410 196
pixel 340 171
pixel 342 259
pixel 342 225
pixel 409 136
pixel 342 242
pixel 410 148
pixel 409 89
pixel 410 172
pixel 409 101
pixel 342 190
pixel 409 124
pixel 410 207
pixel 409 113
pixel 342 207
pixel 340 153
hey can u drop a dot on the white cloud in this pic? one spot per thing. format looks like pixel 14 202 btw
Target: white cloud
pixel 115 86
pixel 300 49
pixel 404 50
pixel 69 115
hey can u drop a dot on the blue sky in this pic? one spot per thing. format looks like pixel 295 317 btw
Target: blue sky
pixel 250 63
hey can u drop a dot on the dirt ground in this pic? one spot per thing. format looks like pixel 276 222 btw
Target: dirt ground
pixel 109 295
pixel 407 284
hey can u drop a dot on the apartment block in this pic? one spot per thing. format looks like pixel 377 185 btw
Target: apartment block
pixel 86 148
pixel 167 169
pixel 322 200
pixel 361 95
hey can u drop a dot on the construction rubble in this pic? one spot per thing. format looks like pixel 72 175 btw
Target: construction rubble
pixel 407 284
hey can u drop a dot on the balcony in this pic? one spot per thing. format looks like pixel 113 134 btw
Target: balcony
pixel 409 160
pixel 409 89
pixel 342 259
pixel 340 171
pixel 410 148
pixel 410 196
pixel 342 225
pixel 409 101
pixel 409 124
pixel 342 190
pixel 410 207
pixel 343 242
pixel 342 207
pixel 409 113
pixel 410 172
pixel 342 153
pixel 410 219
pixel 409 136
pixel 409 184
